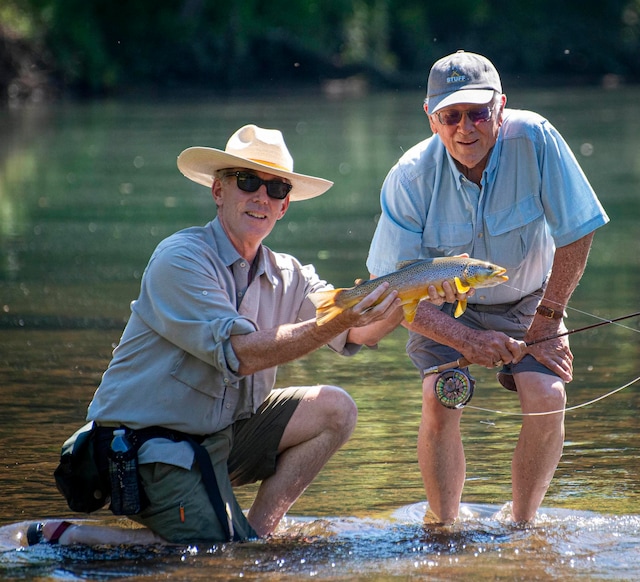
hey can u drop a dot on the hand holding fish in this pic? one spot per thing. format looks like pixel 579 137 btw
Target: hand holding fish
pixel 448 293
pixel 413 282
pixel 378 305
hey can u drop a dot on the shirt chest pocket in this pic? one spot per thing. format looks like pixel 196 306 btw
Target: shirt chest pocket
pixel 514 231
pixel 442 236
pixel 200 376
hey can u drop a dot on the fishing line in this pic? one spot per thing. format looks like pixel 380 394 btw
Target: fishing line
pixel 454 388
pixel 556 411
pixel 585 328
pixel 569 307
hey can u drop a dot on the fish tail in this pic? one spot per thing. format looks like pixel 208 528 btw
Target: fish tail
pixel 325 304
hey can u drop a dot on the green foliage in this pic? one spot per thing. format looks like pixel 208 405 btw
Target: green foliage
pixel 103 45
pixel 15 18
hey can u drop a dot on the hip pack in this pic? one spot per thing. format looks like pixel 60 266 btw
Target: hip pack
pixel 84 483
pixel 77 476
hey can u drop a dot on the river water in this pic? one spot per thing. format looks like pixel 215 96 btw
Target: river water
pixel 86 192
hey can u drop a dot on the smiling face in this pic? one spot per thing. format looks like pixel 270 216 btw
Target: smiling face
pixel 469 143
pixel 247 217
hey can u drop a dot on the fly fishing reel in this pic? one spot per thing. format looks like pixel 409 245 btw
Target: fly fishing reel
pixel 454 388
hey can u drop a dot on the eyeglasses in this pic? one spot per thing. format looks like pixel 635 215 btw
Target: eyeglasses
pixel 250 183
pixel 454 116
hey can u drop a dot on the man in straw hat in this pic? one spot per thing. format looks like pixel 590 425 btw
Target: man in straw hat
pixel 501 185
pixel 217 313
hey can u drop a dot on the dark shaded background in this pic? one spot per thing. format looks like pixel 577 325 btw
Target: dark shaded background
pixel 52 47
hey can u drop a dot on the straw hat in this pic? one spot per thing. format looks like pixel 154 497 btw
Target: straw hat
pixel 254 148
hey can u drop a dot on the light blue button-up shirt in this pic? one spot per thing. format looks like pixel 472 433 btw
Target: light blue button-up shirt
pixel 175 366
pixel 533 198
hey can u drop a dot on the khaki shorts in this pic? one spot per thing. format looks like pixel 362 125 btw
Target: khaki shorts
pixel 256 440
pixel 179 508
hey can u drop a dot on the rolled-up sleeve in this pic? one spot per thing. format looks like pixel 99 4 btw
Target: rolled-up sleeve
pixel 184 300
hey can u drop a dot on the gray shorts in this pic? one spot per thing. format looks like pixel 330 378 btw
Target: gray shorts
pixel 512 319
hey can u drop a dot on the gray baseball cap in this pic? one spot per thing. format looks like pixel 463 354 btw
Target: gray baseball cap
pixel 461 78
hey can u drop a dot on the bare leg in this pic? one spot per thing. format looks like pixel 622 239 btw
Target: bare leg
pixel 93 535
pixel 321 424
pixel 440 455
pixel 540 444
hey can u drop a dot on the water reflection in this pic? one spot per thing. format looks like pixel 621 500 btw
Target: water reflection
pixel 88 190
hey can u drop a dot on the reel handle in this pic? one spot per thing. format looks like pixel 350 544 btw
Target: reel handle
pixel 459 363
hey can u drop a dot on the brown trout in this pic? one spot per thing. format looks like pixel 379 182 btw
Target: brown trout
pixel 412 280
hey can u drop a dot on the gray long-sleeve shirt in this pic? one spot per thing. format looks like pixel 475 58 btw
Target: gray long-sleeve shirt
pixel 175 366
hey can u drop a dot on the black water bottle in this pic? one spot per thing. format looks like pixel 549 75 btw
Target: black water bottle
pixel 123 470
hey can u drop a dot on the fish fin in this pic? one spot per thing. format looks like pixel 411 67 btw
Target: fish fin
pixel 358 281
pixel 462 305
pixel 325 304
pixel 403 264
pixel 460 308
pixel 410 310
pixel 460 286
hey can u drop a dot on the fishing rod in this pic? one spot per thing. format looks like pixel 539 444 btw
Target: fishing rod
pixel 454 388
pixel 585 328
pixel 462 362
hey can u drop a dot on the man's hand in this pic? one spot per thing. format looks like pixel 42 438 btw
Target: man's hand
pixel 554 354
pixel 493 348
pixel 367 312
pixel 449 294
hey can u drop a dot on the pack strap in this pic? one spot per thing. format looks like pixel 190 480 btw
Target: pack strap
pixel 223 511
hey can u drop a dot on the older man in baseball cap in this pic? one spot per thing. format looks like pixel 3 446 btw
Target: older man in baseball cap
pixel 500 185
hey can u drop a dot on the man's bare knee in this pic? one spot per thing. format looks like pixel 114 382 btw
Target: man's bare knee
pixel 324 410
pixel 339 408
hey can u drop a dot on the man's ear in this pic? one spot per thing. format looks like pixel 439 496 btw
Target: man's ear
pixel 285 206
pixel 216 191
pixel 503 104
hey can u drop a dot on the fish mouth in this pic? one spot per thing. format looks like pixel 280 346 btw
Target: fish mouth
pixel 500 274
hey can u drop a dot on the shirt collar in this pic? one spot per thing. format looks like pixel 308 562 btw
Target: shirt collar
pixel 229 255
pixel 226 251
pixel 492 163
pixel 457 174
